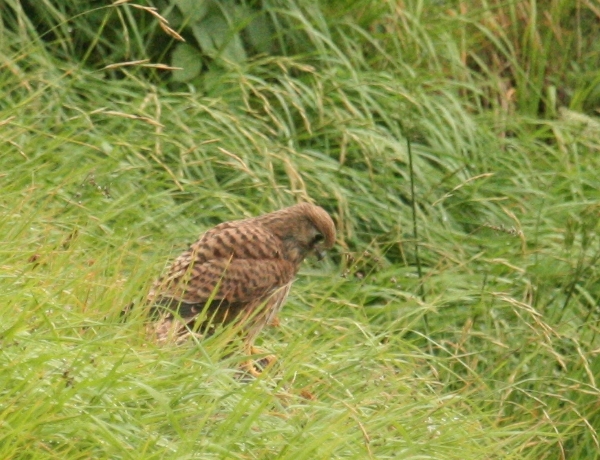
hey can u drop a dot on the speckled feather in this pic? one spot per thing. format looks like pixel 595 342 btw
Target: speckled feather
pixel 239 270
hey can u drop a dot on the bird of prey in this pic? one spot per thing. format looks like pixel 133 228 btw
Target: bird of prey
pixel 239 271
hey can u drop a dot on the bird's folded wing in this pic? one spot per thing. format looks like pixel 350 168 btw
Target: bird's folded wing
pixel 241 241
pixel 235 281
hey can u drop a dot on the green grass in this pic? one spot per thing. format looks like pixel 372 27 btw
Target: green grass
pixel 107 174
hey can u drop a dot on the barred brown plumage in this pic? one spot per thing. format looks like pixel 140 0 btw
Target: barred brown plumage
pixel 238 271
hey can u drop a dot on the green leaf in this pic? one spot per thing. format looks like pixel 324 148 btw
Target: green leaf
pixel 189 59
pixel 217 40
pixel 193 10
pixel 260 33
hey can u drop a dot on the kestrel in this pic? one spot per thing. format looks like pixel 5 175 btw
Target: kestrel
pixel 239 271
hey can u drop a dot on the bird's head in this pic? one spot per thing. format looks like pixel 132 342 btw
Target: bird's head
pixel 303 229
pixel 319 235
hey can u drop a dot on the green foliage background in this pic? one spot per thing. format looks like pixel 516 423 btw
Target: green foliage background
pixel 112 160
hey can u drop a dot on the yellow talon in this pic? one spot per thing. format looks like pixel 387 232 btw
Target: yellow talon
pixel 256 368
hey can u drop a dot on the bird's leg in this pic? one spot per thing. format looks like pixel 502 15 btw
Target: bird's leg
pixel 274 322
pixel 255 368
pixel 248 368
pixel 265 361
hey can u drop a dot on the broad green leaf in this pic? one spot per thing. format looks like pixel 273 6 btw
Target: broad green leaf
pixel 193 10
pixel 189 59
pixel 261 33
pixel 217 39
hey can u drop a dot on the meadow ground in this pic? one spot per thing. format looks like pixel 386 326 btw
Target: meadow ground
pixel 456 146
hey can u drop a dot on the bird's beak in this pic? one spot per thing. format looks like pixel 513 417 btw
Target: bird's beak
pixel 320 253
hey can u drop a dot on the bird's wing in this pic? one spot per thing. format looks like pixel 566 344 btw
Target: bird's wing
pixel 232 268
pixel 238 240
pixel 235 280
pixel 232 262
pixel 226 242
pixel 226 288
